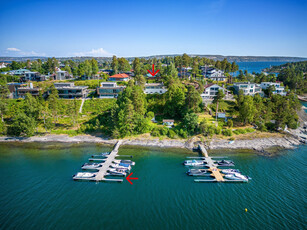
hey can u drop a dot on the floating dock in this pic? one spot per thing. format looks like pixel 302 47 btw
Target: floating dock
pixel 102 171
pixel 213 167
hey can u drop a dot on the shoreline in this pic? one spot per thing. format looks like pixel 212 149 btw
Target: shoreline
pixel 256 144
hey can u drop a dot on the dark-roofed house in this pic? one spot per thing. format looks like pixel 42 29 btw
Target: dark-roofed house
pixel 120 77
pixel 22 91
pixel 69 90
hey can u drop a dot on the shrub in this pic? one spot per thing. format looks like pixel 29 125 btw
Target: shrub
pixel 227 132
pixel 230 123
pixel 155 132
pixel 183 133
pixel 163 131
pixel 171 134
pixel 218 130
pixel 249 130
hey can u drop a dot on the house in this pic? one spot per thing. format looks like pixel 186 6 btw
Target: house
pixel 18 72
pixel 22 91
pixel 247 88
pixel 151 88
pixel 69 90
pixel 109 90
pixel 119 77
pixel 31 76
pixel 168 122
pixel 3 65
pixel 150 77
pixel 13 89
pixel 211 90
pixel 62 75
pixel 213 74
pixel 278 88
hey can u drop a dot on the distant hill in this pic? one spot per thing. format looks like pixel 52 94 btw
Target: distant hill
pixel 214 57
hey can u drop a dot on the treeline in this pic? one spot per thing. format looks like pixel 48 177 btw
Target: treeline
pixel 268 113
pixel 22 117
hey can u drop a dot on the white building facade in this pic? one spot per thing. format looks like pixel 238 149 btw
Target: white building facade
pixel 278 88
pixel 152 88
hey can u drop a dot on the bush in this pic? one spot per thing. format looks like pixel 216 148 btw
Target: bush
pixel 227 132
pixel 171 134
pixel 218 130
pixel 155 132
pixel 163 131
pixel 183 133
pixel 249 130
pixel 230 123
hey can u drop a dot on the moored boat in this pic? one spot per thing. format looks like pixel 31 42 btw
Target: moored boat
pixel 237 176
pixel 92 165
pixel 197 172
pixel 194 163
pixel 83 175
pixel 230 171
pixel 225 163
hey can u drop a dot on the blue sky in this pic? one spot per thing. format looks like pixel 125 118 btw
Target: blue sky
pixel 142 28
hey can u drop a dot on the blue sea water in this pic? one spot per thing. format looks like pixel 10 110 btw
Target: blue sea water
pixel 257 67
pixel 37 191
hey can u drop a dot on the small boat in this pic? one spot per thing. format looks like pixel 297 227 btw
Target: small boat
pixel 225 163
pixel 194 163
pixel 126 167
pixel 83 175
pixel 117 172
pixel 129 162
pixel 91 165
pixel 197 172
pixel 237 176
pixel 230 171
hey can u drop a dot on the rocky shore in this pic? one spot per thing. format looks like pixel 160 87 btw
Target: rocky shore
pixel 258 144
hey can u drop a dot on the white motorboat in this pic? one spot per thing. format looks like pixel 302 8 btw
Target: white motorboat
pixel 237 176
pixel 117 172
pixel 230 171
pixel 92 166
pixel 121 166
pixel 129 162
pixel 194 163
pixel 83 175
pixel 197 172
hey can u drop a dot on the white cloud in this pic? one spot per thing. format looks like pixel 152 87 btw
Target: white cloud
pixel 14 52
pixel 13 49
pixel 100 52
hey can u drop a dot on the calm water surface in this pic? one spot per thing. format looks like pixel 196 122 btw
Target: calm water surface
pixel 37 191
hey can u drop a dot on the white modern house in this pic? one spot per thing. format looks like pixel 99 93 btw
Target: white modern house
pixel 109 90
pixel 247 88
pixel 152 88
pixel 62 75
pixel 214 74
pixel 69 90
pixel 211 90
pixel 3 65
pixel 278 88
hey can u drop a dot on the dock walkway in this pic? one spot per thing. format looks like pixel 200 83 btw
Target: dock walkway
pixel 212 166
pixel 100 176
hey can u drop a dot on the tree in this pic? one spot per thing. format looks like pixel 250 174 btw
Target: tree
pixel 114 65
pixel 22 125
pixel 218 98
pixel 175 100
pixel 123 65
pixel 53 102
pixel 31 107
pixel 247 110
pixel 4 93
pixel 74 111
pixel 95 68
pixel 193 99
pixel 190 122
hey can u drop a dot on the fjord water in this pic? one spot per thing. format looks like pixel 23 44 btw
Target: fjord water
pixel 37 191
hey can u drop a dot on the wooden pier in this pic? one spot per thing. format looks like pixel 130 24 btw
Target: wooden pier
pixel 100 175
pixel 211 165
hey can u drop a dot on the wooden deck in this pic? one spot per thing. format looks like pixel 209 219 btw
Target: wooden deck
pixel 100 176
pixel 212 166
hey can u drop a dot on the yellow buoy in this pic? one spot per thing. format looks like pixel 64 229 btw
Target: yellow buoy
pixel 246 210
